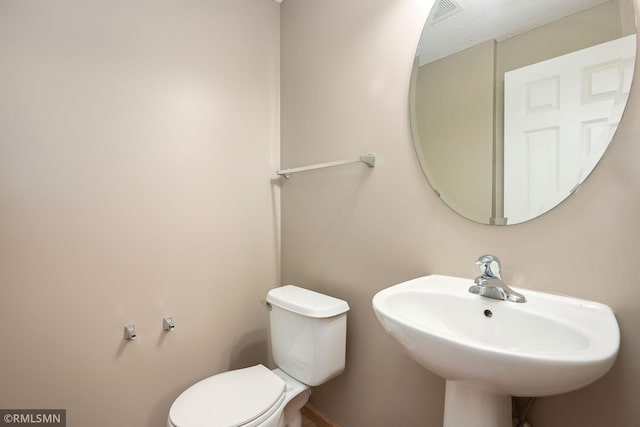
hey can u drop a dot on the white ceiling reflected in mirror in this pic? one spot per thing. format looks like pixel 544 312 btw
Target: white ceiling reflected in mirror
pixel 513 102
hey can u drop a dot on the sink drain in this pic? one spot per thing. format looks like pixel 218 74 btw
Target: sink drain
pixel 488 313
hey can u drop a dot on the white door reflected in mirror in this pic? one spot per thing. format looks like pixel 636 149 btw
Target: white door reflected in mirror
pixel 560 116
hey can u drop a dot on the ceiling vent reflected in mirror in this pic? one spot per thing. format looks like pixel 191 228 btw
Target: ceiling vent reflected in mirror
pixel 445 9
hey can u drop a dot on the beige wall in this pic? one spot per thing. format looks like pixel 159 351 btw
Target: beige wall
pixel 137 144
pixel 351 231
pixel 590 27
pixel 137 147
pixel 458 160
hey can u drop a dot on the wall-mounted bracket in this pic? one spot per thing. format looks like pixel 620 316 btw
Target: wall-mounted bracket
pixel 130 332
pixel 167 324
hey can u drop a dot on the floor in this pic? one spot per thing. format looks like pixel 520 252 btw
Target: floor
pixel 312 417
pixel 306 422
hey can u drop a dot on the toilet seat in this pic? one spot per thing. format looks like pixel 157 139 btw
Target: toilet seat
pixel 242 397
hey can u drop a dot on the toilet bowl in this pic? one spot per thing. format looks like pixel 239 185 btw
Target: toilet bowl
pixel 246 397
pixel 308 340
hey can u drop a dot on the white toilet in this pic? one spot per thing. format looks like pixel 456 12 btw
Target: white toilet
pixel 308 343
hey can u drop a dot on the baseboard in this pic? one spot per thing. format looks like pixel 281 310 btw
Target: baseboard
pixel 317 417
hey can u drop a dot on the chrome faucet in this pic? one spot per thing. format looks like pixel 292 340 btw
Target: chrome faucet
pixel 489 284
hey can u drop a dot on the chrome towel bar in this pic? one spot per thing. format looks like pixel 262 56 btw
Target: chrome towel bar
pixel 369 159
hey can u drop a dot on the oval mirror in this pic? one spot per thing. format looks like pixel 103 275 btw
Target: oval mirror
pixel 513 102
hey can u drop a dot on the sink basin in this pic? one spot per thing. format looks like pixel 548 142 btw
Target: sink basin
pixel 490 348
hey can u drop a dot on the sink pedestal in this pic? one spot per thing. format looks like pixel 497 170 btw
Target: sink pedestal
pixel 467 405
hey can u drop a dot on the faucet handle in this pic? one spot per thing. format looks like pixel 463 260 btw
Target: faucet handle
pixel 489 266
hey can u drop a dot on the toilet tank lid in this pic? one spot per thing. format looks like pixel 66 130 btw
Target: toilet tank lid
pixel 306 302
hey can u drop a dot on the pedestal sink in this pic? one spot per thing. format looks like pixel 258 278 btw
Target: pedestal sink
pixel 489 350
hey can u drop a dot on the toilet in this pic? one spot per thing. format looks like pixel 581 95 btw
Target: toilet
pixel 308 344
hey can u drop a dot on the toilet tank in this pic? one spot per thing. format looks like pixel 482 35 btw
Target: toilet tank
pixel 308 333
